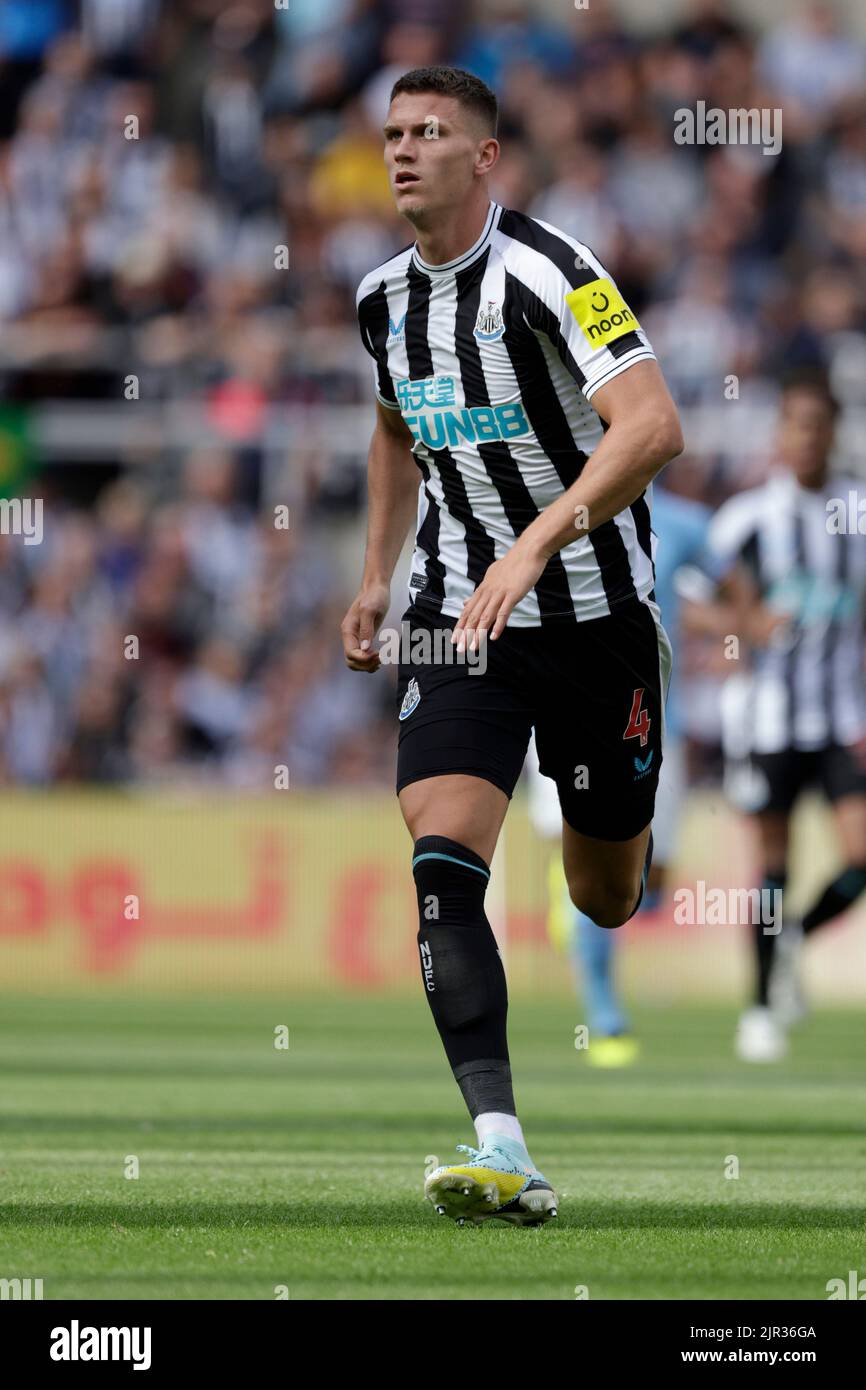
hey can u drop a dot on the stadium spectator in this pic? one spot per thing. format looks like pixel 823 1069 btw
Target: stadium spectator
pixel 148 250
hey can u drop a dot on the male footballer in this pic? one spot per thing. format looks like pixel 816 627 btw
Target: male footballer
pixel 796 719
pixel 521 418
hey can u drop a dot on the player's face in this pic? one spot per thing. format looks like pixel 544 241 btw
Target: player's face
pixel 806 434
pixel 435 151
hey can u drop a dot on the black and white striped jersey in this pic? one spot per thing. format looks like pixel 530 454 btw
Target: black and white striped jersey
pixel 493 360
pixel 806 688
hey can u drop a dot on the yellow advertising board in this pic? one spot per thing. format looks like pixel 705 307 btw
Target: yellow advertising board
pixel 298 891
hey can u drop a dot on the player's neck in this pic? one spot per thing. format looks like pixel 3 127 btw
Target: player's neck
pixel 812 482
pixel 454 233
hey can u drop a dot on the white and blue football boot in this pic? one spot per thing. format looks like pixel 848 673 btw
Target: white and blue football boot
pixel 496 1180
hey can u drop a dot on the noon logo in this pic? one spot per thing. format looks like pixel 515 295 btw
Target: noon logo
pixel 601 312
pixel 489 326
pixel 410 699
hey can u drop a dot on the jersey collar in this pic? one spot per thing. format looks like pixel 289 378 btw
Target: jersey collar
pixel 468 257
pixel 787 486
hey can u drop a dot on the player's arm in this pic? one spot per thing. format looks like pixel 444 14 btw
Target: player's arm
pixel 731 601
pixel 755 620
pixel 708 617
pixel 643 435
pixel 392 487
pixel 715 607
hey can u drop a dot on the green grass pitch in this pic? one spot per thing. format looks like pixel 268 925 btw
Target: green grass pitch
pixel 303 1168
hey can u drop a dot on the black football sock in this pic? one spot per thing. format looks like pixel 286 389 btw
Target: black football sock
pixel 836 898
pixel 765 942
pixel 462 971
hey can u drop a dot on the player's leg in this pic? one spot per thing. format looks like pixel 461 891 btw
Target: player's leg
pixel 463 740
pixel 772 828
pixel 594 955
pixel 849 814
pixel 778 940
pixel 606 878
pixel 600 736
pixel 765 787
pixel 844 783
pixel 466 989
pixel 467 809
pixel 777 998
pixel 454 822
pixel 590 947
pixel 611 1040
pixel 843 779
pixel 670 797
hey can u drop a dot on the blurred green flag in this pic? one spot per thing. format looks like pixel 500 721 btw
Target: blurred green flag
pixel 17 457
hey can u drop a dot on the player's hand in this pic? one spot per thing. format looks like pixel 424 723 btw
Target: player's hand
pixel 360 626
pixel 506 582
pixel 768 627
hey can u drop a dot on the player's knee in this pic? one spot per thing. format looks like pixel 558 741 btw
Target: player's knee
pixel 607 904
pixel 460 964
pixel 614 910
pixel 450 881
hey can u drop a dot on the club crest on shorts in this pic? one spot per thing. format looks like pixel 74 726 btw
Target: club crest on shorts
pixel 489 326
pixel 410 699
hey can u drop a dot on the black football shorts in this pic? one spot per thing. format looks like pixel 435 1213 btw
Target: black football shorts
pixel 774 781
pixel 593 691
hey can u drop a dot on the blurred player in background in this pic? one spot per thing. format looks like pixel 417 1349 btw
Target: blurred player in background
pixel 511 372
pixel 792 565
pixel 680 525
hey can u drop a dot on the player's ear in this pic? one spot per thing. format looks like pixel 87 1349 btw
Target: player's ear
pixel 487 155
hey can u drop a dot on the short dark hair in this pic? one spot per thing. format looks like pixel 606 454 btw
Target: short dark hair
pixel 464 86
pixel 813 379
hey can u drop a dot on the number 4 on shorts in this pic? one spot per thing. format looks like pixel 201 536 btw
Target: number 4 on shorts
pixel 638 720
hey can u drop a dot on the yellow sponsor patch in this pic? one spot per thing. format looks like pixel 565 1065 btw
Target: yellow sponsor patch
pixel 601 312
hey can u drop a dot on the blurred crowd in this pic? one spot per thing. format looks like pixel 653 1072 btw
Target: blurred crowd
pixel 190 191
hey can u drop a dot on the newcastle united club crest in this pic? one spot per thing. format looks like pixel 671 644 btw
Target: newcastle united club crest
pixel 489 327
